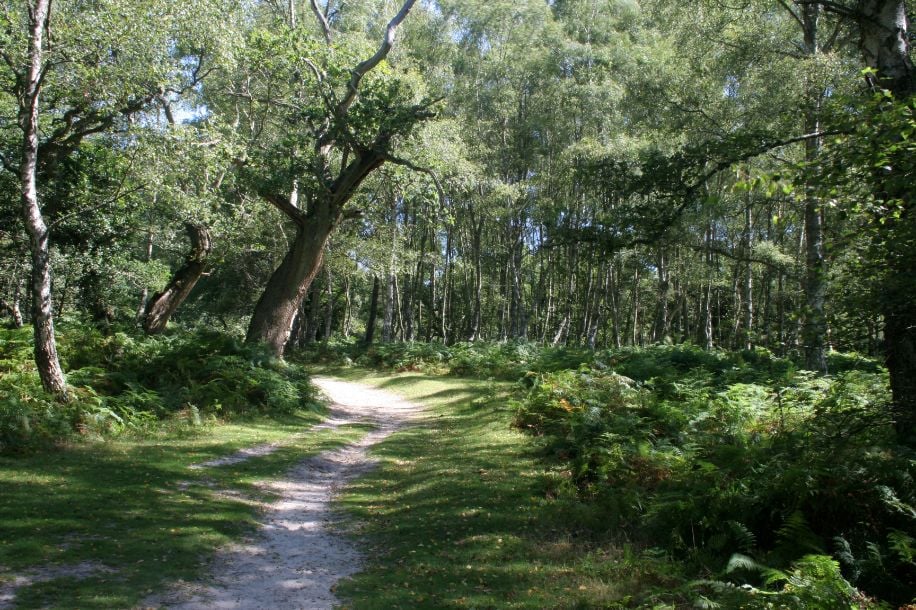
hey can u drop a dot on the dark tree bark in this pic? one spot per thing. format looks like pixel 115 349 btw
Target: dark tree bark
pixel 373 313
pixel 309 329
pixel 163 305
pixel 884 44
pixel 271 322
pixel 144 293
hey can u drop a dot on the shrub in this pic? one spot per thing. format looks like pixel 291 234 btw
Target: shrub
pixel 707 454
pixel 122 383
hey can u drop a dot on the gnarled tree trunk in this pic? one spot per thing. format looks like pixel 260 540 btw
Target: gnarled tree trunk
pixel 163 305
pixel 273 315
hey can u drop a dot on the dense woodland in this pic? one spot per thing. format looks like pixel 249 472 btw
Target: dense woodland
pixel 700 209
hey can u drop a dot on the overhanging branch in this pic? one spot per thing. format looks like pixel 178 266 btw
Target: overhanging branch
pixel 422 170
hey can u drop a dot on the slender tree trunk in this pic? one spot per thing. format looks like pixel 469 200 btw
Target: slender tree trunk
pixel 615 303
pixel 637 335
pixel 814 327
pixel 46 359
pixel 144 293
pixel 446 283
pixel 388 320
pixel 164 304
pixel 373 313
pixel 414 323
pixel 329 307
pixel 661 326
pixel 348 308
pixel 748 279
pixel 474 332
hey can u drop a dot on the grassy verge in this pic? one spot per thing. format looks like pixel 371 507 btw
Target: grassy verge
pixel 136 508
pixel 461 514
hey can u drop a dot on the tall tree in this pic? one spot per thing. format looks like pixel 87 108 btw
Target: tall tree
pixel 73 88
pixel 349 140
pixel 29 82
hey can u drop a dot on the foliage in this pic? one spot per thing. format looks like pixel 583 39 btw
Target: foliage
pixel 500 541
pixel 126 383
pixel 710 454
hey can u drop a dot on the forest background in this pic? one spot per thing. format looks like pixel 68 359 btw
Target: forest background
pixel 535 190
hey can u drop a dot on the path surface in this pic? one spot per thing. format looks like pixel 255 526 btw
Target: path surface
pixel 297 556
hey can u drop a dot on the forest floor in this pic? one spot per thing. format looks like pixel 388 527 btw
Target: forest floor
pixel 455 510
pixel 106 524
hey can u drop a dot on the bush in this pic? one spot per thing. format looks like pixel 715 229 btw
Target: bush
pixel 709 454
pixel 124 383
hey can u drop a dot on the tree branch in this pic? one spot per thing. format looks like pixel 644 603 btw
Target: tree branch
pixel 286 206
pixel 365 66
pixel 833 7
pixel 789 10
pixel 422 170
pixel 322 20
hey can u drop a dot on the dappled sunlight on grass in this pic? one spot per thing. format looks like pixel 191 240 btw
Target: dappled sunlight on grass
pixel 137 508
pixel 457 517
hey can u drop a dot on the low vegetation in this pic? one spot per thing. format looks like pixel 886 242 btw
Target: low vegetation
pixel 129 384
pixel 756 483
pixel 639 477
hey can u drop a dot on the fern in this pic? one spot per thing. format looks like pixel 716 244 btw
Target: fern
pixel 796 537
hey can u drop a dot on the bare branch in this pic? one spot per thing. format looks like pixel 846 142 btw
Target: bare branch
pixel 319 76
pixel 286 206
pixel 322 20
pixel 365 66
pixel 167 107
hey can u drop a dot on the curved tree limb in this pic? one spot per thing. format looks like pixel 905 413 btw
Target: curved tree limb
pixel 285 205
pixel 365 66
pixel 422 170
pixel 322 20
pixel 163 304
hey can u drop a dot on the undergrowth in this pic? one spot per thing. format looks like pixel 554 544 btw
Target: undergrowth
pixel 708 461
pixel 124 383
pixel 770 486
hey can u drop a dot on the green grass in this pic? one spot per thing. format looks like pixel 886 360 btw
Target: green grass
pixel 135 507
pixel 460 514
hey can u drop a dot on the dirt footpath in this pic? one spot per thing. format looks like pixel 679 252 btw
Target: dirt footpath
pixel 298 555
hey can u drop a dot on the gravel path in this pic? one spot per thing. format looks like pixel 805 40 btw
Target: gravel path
pixel 297 556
